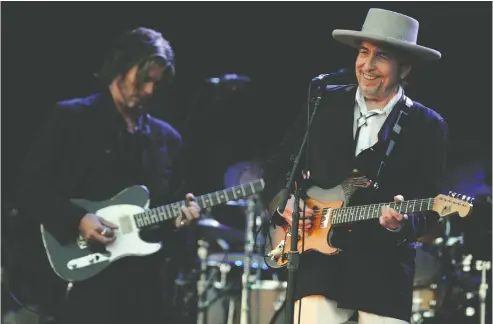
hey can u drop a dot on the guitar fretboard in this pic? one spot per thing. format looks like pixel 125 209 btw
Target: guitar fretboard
pixel 163 213
pixel 358 213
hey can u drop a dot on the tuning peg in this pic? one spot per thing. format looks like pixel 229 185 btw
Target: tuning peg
pixel 450 193
pixel 453 194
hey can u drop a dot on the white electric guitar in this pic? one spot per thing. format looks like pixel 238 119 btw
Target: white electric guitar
pixel 77 260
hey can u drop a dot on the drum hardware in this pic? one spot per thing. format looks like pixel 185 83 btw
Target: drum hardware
pixel 211 230
pixel 224 269
pixel 249 245
pixel 483 266
pixel 202 282
pixel 236 287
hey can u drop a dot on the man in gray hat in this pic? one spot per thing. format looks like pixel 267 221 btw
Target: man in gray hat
pixel 369 133
pixel 93 148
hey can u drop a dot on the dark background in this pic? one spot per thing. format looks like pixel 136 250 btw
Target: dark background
pixel 51 50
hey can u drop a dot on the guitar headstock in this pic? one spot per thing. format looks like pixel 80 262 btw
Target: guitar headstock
pixel 453 203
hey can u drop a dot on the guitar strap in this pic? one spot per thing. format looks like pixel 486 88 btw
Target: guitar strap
pixel 392 138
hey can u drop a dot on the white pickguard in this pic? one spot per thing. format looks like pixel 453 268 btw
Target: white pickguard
pixel 325 195
pixel 127 242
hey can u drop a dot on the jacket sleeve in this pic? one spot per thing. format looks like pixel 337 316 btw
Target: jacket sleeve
pixel 39 196
pixel 428 183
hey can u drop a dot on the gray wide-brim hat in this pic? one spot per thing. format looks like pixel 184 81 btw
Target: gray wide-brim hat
pixel 391 28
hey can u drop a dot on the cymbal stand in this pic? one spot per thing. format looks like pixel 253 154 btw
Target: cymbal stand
pixel 483 266
pixel 245 278
pixel 202 283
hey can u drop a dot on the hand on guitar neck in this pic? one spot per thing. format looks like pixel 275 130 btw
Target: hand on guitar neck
pixel 288 212
pixel 391 219
pixel 189 212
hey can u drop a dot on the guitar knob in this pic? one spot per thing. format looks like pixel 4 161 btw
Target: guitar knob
pixel 375 185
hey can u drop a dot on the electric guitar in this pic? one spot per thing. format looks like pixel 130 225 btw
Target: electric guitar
pixel 332 213
pixel 77 260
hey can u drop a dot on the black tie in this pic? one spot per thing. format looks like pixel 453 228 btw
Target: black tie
pixel 361 122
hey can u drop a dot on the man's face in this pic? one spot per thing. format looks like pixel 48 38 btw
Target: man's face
pixel 378 71
pixel 138 85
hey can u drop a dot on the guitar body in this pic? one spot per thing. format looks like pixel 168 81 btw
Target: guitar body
pixel 77 260
pixel 316 238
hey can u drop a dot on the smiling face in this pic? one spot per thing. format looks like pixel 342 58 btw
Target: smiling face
pixel 378 72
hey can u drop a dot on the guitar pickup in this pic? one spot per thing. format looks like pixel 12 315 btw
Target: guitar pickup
pixel 324 221
pixel 87 261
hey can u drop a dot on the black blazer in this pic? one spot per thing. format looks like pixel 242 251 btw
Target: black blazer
pixel 375 269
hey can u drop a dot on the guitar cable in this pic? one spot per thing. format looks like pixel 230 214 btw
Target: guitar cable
pixel 40 318
pixel 7 283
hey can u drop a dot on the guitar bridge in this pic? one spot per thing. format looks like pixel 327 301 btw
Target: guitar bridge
pixel 277 252
pixel 87 261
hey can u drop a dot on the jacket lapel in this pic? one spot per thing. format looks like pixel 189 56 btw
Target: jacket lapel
pixel 403 104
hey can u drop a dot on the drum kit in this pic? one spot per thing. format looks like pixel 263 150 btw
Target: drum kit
pixel 235 285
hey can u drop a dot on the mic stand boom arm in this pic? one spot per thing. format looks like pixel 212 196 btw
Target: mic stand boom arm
pixel 293 255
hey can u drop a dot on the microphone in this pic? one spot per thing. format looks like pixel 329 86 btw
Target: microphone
pixel 327 77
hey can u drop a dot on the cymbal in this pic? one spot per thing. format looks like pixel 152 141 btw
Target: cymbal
pixel 243 172
pixel 238 203
pixel 211 229
pixel 236 259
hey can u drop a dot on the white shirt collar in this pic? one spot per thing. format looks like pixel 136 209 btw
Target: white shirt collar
pixel 386 110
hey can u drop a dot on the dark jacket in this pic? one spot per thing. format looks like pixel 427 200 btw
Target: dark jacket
pixel 84 151
pixel 376 269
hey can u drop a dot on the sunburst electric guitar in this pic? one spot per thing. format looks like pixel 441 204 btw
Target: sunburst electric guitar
pixel 76 260
pixel 333 214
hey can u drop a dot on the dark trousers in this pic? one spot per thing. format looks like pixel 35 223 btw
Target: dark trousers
pixel 132 290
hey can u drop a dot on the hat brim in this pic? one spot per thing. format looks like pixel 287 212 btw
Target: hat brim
pixel 354 38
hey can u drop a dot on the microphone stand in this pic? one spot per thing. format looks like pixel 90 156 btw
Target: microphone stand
pixel 293 254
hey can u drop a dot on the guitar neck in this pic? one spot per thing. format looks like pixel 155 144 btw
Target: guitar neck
pixel 346 215
pixel 164 213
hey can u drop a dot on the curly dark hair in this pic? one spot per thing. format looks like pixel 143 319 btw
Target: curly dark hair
pixel 137 47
